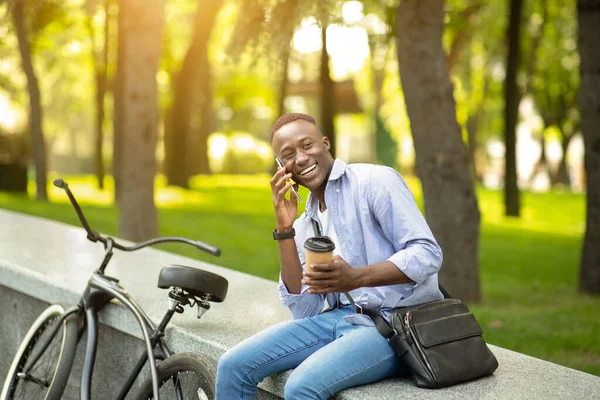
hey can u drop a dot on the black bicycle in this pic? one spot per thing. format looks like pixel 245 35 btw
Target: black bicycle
pixel 43 362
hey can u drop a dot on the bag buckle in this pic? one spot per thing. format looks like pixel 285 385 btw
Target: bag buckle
pixel 358 308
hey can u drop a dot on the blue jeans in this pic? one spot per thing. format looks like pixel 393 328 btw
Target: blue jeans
pixel 327 353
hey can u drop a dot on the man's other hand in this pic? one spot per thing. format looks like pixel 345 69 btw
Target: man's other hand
pixel 337 276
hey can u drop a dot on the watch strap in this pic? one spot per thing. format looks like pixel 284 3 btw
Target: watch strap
pixel 283 235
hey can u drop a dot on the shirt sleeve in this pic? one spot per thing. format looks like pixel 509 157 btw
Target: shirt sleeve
pixel 418 255
pixel 300 305
pixel 304 304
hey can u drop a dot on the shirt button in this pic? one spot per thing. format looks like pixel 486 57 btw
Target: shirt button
pixel 337 190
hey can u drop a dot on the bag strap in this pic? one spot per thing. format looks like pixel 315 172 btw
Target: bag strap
pixel 316 228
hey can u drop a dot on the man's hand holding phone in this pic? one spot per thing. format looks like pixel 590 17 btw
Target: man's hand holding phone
pixel 280 165
pixel 285 210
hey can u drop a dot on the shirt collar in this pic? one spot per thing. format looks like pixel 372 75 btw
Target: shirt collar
pixel 338 169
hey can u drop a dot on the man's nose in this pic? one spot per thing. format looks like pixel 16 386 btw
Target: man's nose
pixel 301 157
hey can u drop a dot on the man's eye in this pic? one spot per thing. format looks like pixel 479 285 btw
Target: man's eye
pixel 307 145
pixel 287 156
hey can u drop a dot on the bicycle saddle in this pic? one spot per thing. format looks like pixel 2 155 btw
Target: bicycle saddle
pixel 194 281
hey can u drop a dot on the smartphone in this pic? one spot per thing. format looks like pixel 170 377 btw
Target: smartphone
pixel 280 164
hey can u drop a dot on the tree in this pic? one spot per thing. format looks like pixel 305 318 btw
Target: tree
pixel 511 110
pixel 588 17
pixel 119 103
pixel 100 59
pixel 380 46
pixel 556 81
pixel 327 94
pixel 441 157
pixel 140 24
pixel 463 33
pixel 23 31
pixel 191 92
pixel 474 49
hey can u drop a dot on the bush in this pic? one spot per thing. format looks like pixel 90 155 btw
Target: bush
pixel 14 148
pixel 14 153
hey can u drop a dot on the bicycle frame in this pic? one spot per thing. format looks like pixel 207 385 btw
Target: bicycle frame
pixel 100 290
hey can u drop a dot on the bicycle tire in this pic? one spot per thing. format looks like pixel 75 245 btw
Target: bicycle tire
pixel 44 381
pixel 181 367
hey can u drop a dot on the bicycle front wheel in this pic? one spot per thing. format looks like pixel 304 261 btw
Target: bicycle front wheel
pixel 183 376
pixel 43 362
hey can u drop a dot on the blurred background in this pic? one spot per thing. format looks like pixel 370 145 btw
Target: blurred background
pixel 158 115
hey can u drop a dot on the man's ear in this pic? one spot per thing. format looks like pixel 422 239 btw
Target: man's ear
pixel 326 142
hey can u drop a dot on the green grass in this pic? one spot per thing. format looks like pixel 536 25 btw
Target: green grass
pixel 529 265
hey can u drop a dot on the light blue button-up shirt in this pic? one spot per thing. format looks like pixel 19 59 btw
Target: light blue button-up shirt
pixel 376 218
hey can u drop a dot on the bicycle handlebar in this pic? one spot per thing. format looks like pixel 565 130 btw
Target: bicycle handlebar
pixel 94 236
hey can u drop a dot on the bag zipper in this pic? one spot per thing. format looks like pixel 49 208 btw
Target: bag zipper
pixel 410 331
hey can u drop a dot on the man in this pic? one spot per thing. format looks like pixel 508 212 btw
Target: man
pixel 385 257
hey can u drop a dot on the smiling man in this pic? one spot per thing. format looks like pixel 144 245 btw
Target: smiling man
pixel 385 257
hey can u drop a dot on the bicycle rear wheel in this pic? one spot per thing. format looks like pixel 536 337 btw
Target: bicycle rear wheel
pixel 189 374
pixel 43 377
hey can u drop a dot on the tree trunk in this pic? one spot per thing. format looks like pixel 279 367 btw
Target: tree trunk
pixel 142 38
pixel 472 129
pixel 441 155
pixel 282 91
pixel 562 174
pixel 100 78
pixel 588 15
pixel 119 101
pixel 542 164
pixel 177 131
pixel 35 106
pixel 283 82
pixel 327 96
pixel 384 147
pixel 185 152
pixel 511 111
pixel 198 152
pixel 463 37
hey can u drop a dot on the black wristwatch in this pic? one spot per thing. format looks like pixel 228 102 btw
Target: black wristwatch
pixel 283 235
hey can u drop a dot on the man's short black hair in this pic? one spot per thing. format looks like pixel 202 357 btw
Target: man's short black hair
pixel 287 118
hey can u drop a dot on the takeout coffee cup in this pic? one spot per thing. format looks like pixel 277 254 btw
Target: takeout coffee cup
pixel 318 250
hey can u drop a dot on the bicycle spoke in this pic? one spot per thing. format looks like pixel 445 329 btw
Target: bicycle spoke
pixel 34 380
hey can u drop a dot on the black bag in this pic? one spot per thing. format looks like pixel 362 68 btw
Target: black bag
pixel 440 342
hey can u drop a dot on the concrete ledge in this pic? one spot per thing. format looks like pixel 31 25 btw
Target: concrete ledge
pixel 50 262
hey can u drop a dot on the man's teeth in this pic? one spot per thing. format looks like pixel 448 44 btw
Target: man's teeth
pixel 308 170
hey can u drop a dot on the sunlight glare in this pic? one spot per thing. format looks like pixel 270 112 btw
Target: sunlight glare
pixel 217 144
pixel 75 47
pixel 264 150
pixel 8 116
pixel 348 47
pixel 307 39
pixel 352 12
pixel 244 142
pixel 375 25
pixel 172 197
pixel 162 77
